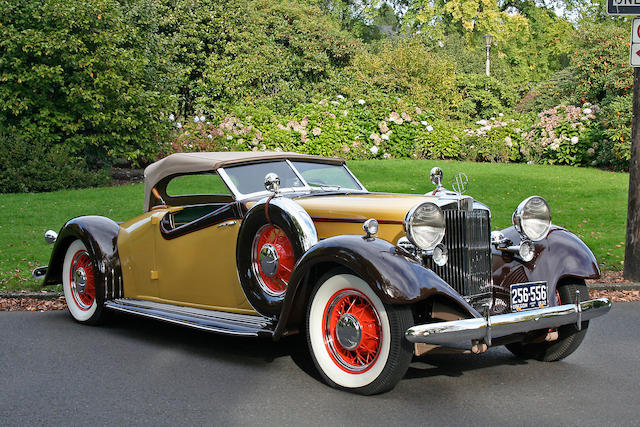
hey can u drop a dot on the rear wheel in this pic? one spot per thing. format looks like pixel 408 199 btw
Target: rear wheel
pixel 356 341
pixel 569 337
pixel 79 284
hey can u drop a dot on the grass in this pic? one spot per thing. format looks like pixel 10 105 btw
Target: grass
pixel 590 202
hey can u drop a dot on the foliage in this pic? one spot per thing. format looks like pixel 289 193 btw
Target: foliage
pixel 496 140
pixel 485 96
pixel 615 149
pixel 277 54
pixel 404 68
pixel 600 63
pixel 565 135
pixel 28 165
pixel 83 74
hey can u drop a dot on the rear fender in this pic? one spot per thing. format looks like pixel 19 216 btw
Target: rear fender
pixel 100 237
pixel 393 274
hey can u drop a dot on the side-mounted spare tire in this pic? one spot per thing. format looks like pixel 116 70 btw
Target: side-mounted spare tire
pixel 274 234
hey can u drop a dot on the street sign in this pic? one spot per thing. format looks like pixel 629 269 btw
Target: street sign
pixel 634 54
pixel 623 7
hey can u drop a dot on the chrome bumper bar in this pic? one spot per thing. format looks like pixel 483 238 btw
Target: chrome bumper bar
pixel 484 328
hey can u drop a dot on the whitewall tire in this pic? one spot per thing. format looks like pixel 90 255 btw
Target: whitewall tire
pixel 79 284
pixel 356 341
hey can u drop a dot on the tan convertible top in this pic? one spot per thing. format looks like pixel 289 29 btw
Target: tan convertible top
pixel 181 163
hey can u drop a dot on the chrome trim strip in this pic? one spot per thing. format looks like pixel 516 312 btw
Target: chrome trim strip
pixel 507 324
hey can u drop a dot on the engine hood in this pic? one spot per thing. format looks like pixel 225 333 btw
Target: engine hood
pixel 386 208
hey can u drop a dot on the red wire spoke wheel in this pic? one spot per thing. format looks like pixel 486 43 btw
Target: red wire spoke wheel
pixel 356 341
pixel 80 283
pixel 352 331
pixel 83 289
pixel 273 259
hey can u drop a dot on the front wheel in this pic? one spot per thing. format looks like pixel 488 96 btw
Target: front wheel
pixel 569 337
pixel 80 285
pixel 356 341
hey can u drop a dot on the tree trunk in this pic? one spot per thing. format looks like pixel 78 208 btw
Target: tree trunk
pixel 632 250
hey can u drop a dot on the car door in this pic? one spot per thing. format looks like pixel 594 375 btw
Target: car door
pixel 195 252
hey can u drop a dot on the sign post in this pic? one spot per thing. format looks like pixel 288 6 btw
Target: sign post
pixel 632 246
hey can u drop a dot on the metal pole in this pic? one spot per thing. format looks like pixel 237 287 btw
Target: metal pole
pixel 632 247
pixel 487 62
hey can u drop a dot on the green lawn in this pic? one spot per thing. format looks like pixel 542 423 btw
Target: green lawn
pixel 590 202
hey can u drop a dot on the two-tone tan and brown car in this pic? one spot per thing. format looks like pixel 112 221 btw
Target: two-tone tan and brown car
pixel 274 244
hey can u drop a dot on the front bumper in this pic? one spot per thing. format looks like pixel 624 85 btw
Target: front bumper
pixel 486 328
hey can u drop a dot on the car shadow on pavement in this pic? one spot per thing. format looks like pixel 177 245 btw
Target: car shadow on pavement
pixel 455 365
pixel 242 350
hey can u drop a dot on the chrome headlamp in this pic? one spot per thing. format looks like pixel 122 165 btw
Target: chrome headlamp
pixel 532 218
pixel 425 225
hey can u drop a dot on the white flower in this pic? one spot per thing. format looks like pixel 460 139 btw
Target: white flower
pixel 210 136
pixel 179 125
pixel 340 97
pixel 574 140
pixel 385 136
pixel 196 119
pixel 361 101
pixel 507 141
pixel 587 111
pixel 202 119
pixel 316 131
pixel 424 123
pixel 554 146
pixel 345 113
pixel 500 115
pixel 492 118
pixel 374 150
pixel 386 155
pixel 335 103
pixel 229 137
pixel 440 43
pixel 171 117
pixel 481 122
pixel 429 128
pixel 530 162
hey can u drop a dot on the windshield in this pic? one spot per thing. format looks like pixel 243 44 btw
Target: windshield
pixel 324 175
pixel 250 178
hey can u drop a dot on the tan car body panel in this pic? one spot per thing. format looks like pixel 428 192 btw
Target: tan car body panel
pixel 198 269
pixel 194 270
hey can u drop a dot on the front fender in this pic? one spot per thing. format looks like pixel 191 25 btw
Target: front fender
pixel 391 272
pixel 560 255
pixel 100 236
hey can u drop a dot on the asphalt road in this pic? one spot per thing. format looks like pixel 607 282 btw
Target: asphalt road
pixel 133 371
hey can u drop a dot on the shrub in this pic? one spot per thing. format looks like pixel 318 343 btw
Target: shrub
pixel 565 135
pixel 28 165
pixel 615 149
pixel 496 140
pixel 485 96
pixel 84 74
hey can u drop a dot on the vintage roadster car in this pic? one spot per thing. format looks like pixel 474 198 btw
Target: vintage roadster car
pixel 274 244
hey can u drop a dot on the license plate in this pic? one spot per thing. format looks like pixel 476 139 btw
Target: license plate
pixel 527 296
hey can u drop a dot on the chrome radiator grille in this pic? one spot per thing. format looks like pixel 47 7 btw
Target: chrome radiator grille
pixel 467 239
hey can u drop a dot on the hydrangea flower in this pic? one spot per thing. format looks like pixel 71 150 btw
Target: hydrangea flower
pixel 574 140
pixel 429 128
pixel 171 117
pixel 179 125
pixel 202 119
pixel 196 119
pixel 374 150
pixel 361 101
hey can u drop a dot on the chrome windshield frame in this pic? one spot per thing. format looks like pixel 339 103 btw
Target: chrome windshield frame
pixel 304 189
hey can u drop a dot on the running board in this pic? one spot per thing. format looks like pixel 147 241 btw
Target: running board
pixel 208 320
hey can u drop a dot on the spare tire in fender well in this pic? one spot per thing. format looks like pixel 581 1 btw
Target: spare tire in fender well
pixel 298 226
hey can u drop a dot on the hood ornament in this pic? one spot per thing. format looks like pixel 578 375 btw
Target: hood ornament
pixel 459 183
